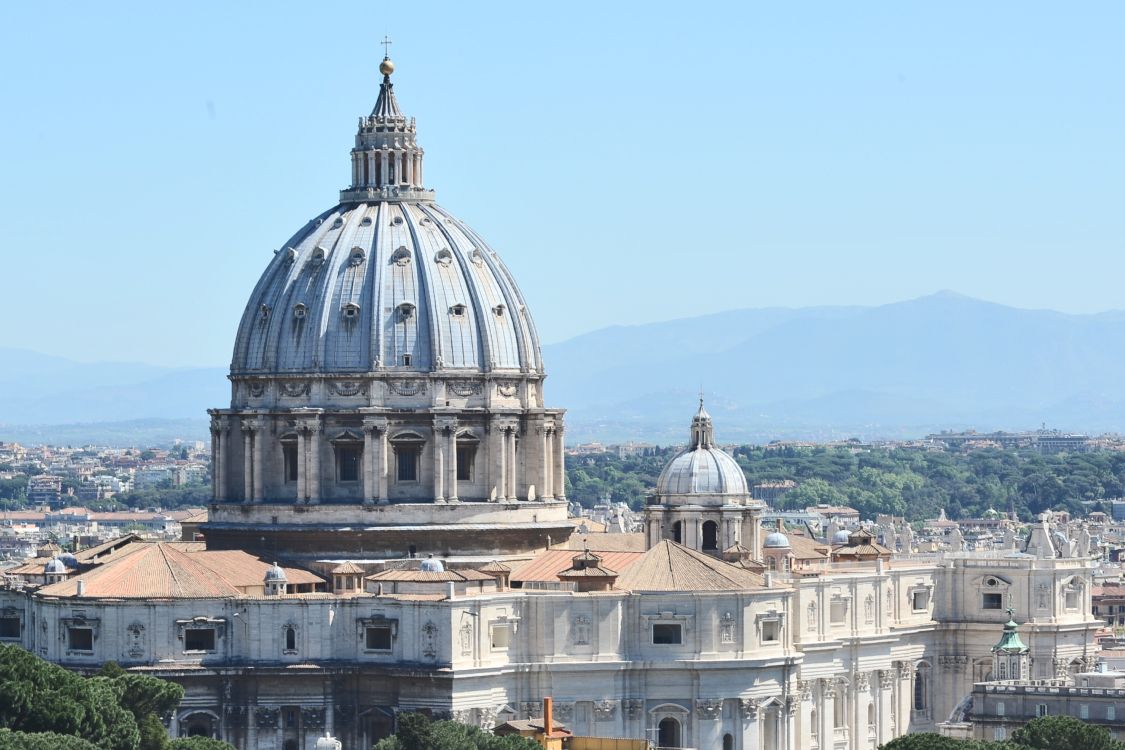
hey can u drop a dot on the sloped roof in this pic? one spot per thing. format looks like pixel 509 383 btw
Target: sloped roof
pixel 604 543
pixel 801 547
pixel 672 567
pixel 173 570
pixel 347 568
pixel 425 576
pixel 546 566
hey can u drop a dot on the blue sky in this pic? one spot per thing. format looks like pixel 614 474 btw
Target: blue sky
pixel 630 162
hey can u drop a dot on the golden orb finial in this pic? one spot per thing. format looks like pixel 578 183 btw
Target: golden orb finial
pixel 386 67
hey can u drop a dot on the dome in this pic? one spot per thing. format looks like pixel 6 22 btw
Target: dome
pixel 841 537
pixel 386 280
pixel 776 540
pixel 275 574
pixel 55 566
pixel 69 560
pixel 432 565
pixel 702 468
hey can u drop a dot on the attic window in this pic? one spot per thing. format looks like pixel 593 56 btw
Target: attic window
pixel 406 360
pixel 351 311
pixel 317 256
pixel 406 310
pixel 338 223
pixel 366 222
pixel 443 257
pixel 401 256
pixel 457 310
pixel 264 311
pixel 397 221
pixel 358 256
pixel 499 310
pixel 300 311
pixel 290 255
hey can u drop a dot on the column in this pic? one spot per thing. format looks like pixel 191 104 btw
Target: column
pixel 513 492
pixel 559 474
pixel 302 463
pixel 451 463
pixel 247 461
pixel 439 468
pixel 260 442
pixel 408 169
pixel 370 490
pixel 384 167
pixel 381 468
pixel 545 489
pixel 216 446
pixel 314 462
pixel 502 483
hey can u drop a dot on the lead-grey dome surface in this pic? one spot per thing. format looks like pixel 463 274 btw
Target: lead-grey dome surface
pixel 385 285
pixel 702 471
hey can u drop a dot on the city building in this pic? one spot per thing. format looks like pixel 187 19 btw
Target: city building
pixel 389 532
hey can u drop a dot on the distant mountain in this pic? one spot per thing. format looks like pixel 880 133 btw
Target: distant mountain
pixel 897 370
pixel 941 361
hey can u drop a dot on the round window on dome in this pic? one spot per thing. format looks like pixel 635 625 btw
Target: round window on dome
pixel 458 310
pixel 264 311
pixel 499 310
pixel 401 256
pixel 318 256
pixel 406 310
pixel 300 310
pixel 358 256
pixel 443 257
pixel 350 311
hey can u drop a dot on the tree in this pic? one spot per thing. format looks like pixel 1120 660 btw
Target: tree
pixel 418 732
pixel 931 741
pixel 10 740
pixel 1063 733
pixel 199 743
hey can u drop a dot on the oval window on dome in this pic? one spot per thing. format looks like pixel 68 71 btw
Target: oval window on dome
pixel 300 310
pixel 365 222
pixel 499 310
pixel 443 257
pixel 350 311
pixel 318 256
pixel 290 255
pixel 406 310
pixel 458 310
pixel 476 257
pixel 401 256
pixel 338 223
pixel 397 221
pixel 358 256
pixel 264 311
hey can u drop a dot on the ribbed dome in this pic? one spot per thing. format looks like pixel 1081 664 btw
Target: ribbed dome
pixel 702 468
pixel 776 540
pixel 385 285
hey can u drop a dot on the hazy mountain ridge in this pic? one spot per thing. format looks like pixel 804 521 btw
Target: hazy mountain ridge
pixel 896 370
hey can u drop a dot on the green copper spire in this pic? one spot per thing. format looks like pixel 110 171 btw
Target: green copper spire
pixel 1010 642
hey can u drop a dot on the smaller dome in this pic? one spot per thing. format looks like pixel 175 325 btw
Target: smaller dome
pixel 275 574
pixel 68 560
pixel 55 566
pixel 777 540
pixel 841 537
pixel 432 565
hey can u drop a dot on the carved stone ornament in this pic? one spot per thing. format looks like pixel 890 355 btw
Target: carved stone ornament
pixel 749 707
pixel 429 640
pixel 507 387
pixel 859 679
pixel 486 719
pixel 348 387
pixel 792 704
pixel 709 708
pixel 726 628
pixel 565 711
pixel 266 718
pixel 136 639
pixel 886 679
pixel 467 639
pixel 827 688
pixel 258 388
pixel 407 387
pixel 633 708
pixel 605 710
pixel 462 715
pixel 294 388
pixel 464 387
pixel 904 670
pixel 312 718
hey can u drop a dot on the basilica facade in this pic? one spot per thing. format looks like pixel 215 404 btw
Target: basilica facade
pixel 389 533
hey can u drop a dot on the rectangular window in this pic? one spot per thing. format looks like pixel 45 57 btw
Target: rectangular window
pixel 1041 709
pixel 999 733
pixel 771 631
pixel 199 639
pixel 465 456
pixel 1111 713
pixel 80 639
pixel 406 462
pixel 1084 711
pixel 920 600
pixel 378 638
pixel 347 462
pixel 1072 599
pixel 667 634
pixel 289 454
pixel 999 708
pixel 9 628
pixel 992 601
pixel 500 636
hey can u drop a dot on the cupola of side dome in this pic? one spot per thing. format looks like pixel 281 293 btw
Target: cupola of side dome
pixel 702 430
pixel 386 159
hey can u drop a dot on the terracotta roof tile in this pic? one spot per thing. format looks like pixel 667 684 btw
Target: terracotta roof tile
pixel 546 566
pixel 672 567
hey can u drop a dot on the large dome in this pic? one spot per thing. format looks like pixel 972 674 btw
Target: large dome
pixel 385 285
pixel 702 468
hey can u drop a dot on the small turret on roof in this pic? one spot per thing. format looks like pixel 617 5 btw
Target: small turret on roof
pixel 587 573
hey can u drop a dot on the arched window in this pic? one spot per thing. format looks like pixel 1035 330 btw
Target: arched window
pixel 668 734
pixel 728 742
pixel 840 708
pixel 871 714
pixel 814 728
pixel 677 532
pixel 290 638
pixel 710 536
pixel 408 452
pixel 919 690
